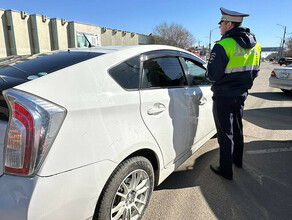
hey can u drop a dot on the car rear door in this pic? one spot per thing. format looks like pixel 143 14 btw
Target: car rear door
pixel 166 104
pixel 201 86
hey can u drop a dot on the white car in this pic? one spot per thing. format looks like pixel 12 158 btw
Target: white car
pixel 90 132
pixel 281 78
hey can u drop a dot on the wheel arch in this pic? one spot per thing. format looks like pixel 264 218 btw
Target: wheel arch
pixel 152 157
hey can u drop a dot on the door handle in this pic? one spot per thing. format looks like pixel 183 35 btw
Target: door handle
pixel 157 109
pixel 203 101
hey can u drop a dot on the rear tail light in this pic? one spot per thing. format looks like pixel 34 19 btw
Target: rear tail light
pixel 273 74
pixel 33 126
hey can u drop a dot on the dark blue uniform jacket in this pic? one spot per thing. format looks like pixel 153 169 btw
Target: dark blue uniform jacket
pixel 237 83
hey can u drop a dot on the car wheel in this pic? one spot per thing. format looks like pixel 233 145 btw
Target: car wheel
pixel 128 190
pixel 286 91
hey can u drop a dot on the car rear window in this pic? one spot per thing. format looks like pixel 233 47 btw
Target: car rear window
pixel 127 73
pixel 45 63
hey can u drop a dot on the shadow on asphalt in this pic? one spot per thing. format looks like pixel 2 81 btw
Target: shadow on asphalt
pixel 261 190
pixel 272 96
pixel 277 118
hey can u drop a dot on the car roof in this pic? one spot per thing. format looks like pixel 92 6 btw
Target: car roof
pixel 104 49
pixel 133 49
pixel 137 48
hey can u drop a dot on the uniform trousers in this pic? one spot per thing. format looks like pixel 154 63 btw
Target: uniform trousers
pixel 228 112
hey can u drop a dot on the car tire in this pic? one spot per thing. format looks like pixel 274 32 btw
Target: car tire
pixel 286 91
pixel 128 190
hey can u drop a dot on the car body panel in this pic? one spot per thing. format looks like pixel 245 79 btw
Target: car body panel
pixel 285 60
pixel 63 196
pixel 15 197
pixel 164 173
pixel 70 195
pixel 204 104
pixel 180 120
pixel 172 122
pixel 3 126
pixel 283 78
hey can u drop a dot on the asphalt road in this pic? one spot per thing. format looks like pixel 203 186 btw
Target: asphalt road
pixel 261 190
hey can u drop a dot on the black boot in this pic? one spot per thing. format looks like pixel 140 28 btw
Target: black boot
pixel 239 165
pixel 217 170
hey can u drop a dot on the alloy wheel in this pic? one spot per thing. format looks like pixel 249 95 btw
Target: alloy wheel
pixel 131 196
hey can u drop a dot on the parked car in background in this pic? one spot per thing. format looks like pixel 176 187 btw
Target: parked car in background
pixel 87 133
pixel 282 78
pixel 285 60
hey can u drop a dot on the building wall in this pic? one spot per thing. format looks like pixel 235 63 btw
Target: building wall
pixel 60 33
pixel 22 33
pixel 76 31
pixel 117 37
pixel 106 36
pixel 130 38
pixel 20 39
pixel 3 35
pixel 42 40
pixel 145 39
pixel 123 38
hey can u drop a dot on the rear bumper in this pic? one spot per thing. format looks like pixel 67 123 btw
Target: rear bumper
pixel 70 195
pixel 281 83
pixel 15 196
pixel 3 125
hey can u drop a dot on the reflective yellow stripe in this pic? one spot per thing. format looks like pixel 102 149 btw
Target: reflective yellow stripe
pixel 242 69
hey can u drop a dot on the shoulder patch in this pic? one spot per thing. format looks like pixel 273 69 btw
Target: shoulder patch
pixel 212 57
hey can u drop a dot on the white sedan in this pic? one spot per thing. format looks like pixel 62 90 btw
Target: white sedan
pixel 90 132
pixel 281 78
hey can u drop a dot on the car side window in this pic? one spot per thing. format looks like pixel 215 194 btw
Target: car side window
pixel 197 73
pixel 127 73
pixel 163 72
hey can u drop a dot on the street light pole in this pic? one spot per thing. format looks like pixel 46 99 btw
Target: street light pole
pixel 210 39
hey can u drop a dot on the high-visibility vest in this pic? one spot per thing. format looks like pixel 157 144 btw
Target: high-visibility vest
pixel 240 59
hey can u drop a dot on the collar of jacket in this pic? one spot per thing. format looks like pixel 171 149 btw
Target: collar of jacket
pixel 242 36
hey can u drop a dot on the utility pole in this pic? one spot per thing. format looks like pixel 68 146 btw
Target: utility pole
pixel 283 41
pixel 280 48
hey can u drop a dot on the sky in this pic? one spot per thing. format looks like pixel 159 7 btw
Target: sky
pixel 197 16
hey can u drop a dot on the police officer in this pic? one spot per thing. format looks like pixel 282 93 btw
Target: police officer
pixel 233 65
